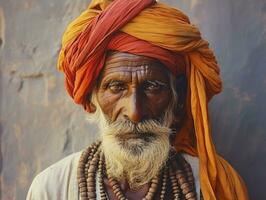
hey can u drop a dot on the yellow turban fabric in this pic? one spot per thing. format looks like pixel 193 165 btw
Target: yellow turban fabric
pixel 170 29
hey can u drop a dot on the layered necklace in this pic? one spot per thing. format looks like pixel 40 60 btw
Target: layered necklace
pixel 176 174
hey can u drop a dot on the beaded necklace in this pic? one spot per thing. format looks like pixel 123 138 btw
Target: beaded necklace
pixel 177 172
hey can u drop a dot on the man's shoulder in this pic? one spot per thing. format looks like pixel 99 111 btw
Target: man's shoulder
pixel 61 166
pixel 57 181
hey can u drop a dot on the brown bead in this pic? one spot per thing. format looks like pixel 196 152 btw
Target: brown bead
pixel 184 185
pixel 187 190
pixel 91 184
pixel 149 196
pixel 92 169
pixel 181 180
pixel 112 183
pixel 91 195
pixel 119 195
pixel 116 186
pixel 175 187
pixel 81 174
pixel 190 195
pixel 116 191
pixel 83 194
pixel 179 174
pixel 174 183
pixel 152 190
pixel 90 181
pixel 81 179
pixel 155 181
pixel 82 184
pixel 91 174
pixel 93 162
pixel 83 189
pixel 90 189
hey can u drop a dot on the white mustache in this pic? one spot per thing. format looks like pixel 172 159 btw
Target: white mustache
pixel 148 127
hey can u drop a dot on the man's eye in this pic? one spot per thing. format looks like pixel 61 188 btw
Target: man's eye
pixel 152 86
pixel 116 87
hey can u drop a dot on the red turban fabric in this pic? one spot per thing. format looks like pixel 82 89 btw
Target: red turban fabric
pixel 149 28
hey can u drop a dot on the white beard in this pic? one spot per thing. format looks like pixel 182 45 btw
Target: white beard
pixel 137 159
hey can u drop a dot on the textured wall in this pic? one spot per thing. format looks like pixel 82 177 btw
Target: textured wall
pixel 39 124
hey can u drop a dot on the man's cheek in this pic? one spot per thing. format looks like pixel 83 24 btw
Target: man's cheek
pixel 109 104
pixel 157 106
pixel 155 112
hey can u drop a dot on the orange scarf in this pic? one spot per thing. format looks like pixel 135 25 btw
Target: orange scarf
pixel 149 28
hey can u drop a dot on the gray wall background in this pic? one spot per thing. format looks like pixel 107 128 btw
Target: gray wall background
pixel 39 124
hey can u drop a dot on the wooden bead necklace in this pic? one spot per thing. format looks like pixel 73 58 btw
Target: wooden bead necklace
pixel 177 172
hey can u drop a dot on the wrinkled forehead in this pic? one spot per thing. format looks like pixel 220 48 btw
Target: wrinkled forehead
pixel 127 62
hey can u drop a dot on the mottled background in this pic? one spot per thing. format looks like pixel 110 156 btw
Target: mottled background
pixel 39 124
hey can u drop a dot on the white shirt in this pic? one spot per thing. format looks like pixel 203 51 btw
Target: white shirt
pixel 59 181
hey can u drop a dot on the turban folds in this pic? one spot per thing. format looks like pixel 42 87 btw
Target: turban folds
pixel 149 28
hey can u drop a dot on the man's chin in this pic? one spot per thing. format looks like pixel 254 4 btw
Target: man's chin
pixel 134 145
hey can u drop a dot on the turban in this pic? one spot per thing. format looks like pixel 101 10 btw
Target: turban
pixel 150 28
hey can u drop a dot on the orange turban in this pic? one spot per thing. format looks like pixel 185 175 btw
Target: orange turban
pixel 149 28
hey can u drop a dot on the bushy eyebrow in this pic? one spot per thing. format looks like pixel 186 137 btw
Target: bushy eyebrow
pixel 107 82
pixel 156 82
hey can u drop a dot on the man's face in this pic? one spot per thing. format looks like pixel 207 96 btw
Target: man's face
pixel 133 96
pixel 134 88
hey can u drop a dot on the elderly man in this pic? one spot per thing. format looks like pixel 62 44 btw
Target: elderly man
pixel 146 76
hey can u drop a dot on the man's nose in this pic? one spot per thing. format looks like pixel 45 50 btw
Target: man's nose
pixel 133 106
